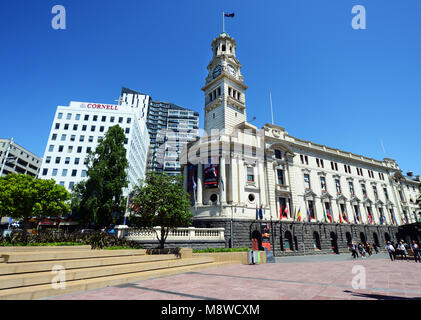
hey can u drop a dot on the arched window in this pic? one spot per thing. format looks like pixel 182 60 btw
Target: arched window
pixel 362 237
pixel 316 241
pixel 376 239
pixel 224 47
pixel 288 244
pixel 348 238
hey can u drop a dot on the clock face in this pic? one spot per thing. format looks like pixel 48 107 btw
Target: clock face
pixel 231 69
pixel 217 71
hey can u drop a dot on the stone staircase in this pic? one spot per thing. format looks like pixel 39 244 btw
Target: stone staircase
pixel 27 273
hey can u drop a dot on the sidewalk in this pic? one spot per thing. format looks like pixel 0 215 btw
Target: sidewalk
pixel 294 278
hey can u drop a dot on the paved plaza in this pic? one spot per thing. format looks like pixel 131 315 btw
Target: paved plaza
pixel 314 277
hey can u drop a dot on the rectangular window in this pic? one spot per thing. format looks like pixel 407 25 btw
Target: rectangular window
pixel 323 183
pixel 57 126
pixel 63 137
pixel 307 181
pixel 338 186
pixel 120 120
pixel 60 148
pixel 64 173
pixel 51 148
pixel 71 184
pixel 92 128
pixel 84 127
pixel 74 173
pixel 48 159
pixel 351 189
pixel 278 154
pixel 66 126
pixel 58 160
pixel 70 149
pixel 69 116
pixel 250 174
pixel 95 118
pixel 127 130
pixel 357 213
pixel 81 138
pixel 54 137
pixel 79 149
pixel 112 119
pixel 104 118
pixel 86 117
pixel 280 174
pixel 78 116
pixel 302 159
pixel 72 137
pixel 74 127
pixel 60 115
pixel 376 195
pixel 83 174
pixel 91 139
pixel 44 172
pixel 129 120
pixel 67 160
pixel 386 194
pixel 364 190
pixel 101 129
pixel 55 172
pixel 311 209
pixel 77 160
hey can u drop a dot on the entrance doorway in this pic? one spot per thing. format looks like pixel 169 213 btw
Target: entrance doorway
pixel 334 242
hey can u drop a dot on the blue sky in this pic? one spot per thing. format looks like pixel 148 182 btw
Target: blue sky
pixel 330 84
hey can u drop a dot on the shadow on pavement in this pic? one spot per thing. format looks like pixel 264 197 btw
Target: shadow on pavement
pixel 378 296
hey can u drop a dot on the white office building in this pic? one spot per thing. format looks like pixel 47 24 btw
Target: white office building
pixel 79 127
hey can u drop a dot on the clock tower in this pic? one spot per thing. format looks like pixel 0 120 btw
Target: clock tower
pixel 225 103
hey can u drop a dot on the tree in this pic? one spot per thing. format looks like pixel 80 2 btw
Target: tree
pixel 22 197
pixel 101 195
pixel 160 200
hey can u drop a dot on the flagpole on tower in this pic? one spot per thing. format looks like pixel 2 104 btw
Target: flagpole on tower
pixel 271 109
pixel 223 21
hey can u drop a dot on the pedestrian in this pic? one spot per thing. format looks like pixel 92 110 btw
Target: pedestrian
pixel 403 251
pixel 391 250
pixel 354 251
pixel 361 250
pixel 369 249
pixel 376 248
pixel 416 250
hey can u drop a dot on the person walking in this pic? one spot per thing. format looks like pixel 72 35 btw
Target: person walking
pixel 354 250
pixel 416 250
pixel 361 250
pixel 376 248
pixel 391 250
pixel 369 249
pixel 403 251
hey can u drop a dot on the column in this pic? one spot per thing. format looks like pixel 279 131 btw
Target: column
pixel 262 186
pixel 241 180
pixel 199 195
pixel 222 186
pixel 233 181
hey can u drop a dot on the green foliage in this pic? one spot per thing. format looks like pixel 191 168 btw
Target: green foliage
pixel 22 196
pixel 160 200
pixel 220 250
pixel 97 240
pixel 101 195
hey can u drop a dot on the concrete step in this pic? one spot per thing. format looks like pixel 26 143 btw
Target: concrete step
pixel 46 290
pixel 46 277
pixel 39 266
pixel 6 250
pixel 16 257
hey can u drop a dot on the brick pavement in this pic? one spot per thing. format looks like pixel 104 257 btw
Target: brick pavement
pixel 312 279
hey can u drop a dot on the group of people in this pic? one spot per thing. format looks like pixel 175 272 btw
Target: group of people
pixel 362 249
pixel 402 249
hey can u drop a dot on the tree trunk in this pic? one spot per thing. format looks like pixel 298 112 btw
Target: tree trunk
pixel 164 233
pixel 25 230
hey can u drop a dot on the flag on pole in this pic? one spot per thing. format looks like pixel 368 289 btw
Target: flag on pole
pixel 370 218
pixel 329 216
pixel 308 216
pixel 287 212
pixel 345 216
pixel 281 213
pixel 340 218
pixel 229 15
pixel 324 212
pixel 299 214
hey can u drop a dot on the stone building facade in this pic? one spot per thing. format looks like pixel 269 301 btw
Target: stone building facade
pixel 292 196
